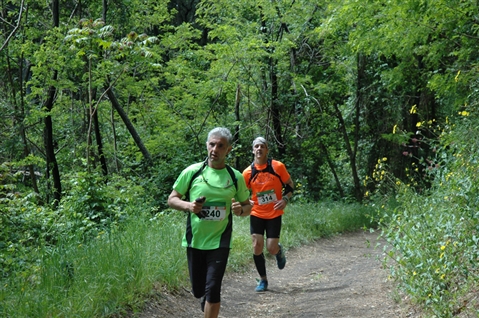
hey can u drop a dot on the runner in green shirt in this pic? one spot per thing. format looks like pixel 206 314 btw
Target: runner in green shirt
pixel 215 193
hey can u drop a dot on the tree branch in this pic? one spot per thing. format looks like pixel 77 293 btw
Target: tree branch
pixel 16 27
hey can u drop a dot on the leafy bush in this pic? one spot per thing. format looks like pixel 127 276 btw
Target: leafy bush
pixel 92 205
pixel 89 207
pixel 434 235
pixel 24 227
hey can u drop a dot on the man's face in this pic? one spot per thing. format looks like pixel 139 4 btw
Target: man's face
pixel 218 149
pixel 260 151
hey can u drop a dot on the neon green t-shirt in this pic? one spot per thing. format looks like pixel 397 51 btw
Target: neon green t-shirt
pixel 217 186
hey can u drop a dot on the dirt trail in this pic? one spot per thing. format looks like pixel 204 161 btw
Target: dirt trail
pixel 336 277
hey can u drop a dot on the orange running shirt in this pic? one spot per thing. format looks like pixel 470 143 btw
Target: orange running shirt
pixel 266 189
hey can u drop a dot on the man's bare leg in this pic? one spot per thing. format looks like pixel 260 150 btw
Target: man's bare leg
pixel 212 310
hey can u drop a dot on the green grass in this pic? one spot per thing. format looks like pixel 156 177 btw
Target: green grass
pixel 119 270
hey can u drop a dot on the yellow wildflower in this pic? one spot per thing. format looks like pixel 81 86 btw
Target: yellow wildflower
pixel 413 109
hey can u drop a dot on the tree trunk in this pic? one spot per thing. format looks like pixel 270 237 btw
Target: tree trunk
pixel 352 150
pixel 48 129
pixel 275 113
pixel 128 124
pixel 333 169
pixel 93 119
pixel 49 146
pixel 99 144
pixel 56 12
pixel 351 155
pixel 115 144
pixel 104 10
pixel 237 118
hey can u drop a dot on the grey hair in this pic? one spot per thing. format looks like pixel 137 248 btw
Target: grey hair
pixel 260 140
pixel 221 132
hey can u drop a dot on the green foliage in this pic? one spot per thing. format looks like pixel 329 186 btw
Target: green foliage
pixel 99 277
pixel 92 206
pixel 434 235
pixel 118 269
pixel 24 227
pixel 304 223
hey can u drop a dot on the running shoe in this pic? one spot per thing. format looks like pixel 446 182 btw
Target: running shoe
pixel 262 285
pixel 280 257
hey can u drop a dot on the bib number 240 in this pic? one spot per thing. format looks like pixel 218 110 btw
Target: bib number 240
pixel 213 213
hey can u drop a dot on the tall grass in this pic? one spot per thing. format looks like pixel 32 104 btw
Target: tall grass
pixel 101 277
pixel 119 270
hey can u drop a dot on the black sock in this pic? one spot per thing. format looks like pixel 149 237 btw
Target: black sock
pixel 260 264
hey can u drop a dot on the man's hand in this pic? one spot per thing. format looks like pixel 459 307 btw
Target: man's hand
pixel 236 207
pixel 280 204
pixel 197 205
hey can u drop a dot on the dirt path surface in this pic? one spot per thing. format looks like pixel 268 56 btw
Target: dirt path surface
pixel 336 277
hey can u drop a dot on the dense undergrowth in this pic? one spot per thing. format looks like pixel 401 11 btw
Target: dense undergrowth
pixel 433 232
pixel 113 265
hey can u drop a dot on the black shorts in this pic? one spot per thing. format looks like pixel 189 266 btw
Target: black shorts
pixel 207 268
pixel 272 227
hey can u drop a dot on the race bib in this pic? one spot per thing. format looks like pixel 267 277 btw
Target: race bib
pixel 266 197
pixel 213 211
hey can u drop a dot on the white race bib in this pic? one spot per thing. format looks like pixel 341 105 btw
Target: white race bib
pixel 266 197
pixel 213 211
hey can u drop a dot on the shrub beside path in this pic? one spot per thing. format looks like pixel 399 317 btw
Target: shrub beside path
pixel 340 276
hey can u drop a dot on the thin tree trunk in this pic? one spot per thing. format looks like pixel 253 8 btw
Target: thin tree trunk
pixel 352 150
pixel 351 154
pixel 128 124
pixel 115 144
pixel 48 130
pixel 56 12
pixel 275 112
pixel 333 169
pixel 105 10
pixel 99 144
pixel 93 118
pixel 52 163
pixel 237 117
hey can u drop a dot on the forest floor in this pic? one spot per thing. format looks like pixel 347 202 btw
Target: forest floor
pixel 341 276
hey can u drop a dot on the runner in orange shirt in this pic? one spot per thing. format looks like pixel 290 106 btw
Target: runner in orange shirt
pixel 271 188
